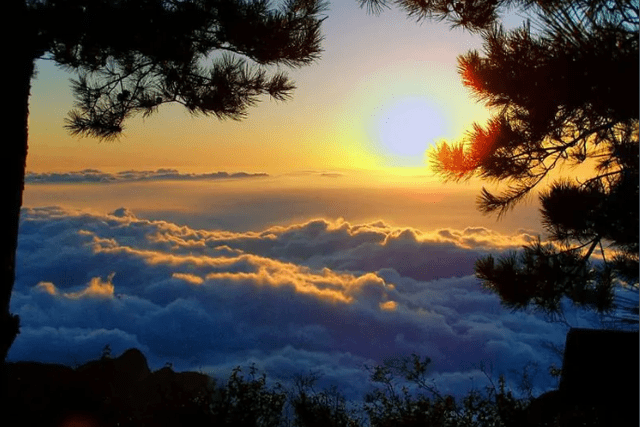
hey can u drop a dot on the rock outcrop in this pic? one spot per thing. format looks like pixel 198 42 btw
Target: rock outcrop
pixel 106 392
pixel 599 385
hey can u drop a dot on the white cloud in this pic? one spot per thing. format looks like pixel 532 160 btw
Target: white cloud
pixel 323 294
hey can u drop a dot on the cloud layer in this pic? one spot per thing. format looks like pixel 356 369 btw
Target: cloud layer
pixel 97 176
pixel 322 296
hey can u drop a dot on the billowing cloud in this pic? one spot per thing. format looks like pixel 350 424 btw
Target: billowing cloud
pixel 97 176
pixel 322 295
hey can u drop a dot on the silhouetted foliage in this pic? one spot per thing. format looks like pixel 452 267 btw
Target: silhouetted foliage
pixel 407 398
pixel 131 56
pixel 474 15
pixel 562 93
pixel 124 391
pixel 320 408
pixel 247 402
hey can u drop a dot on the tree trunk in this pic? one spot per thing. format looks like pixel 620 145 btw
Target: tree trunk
pixel 18 74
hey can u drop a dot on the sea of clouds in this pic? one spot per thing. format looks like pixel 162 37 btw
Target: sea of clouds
pixel 321 296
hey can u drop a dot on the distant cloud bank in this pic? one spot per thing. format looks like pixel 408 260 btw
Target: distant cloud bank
pixel 316 173
pixel 97 176
pixel 322 296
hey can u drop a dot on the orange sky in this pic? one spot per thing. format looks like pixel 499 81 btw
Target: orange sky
pixel 379 76
pixel 385 89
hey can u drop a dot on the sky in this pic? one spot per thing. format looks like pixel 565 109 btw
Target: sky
pixel 379 78
pixel 309 237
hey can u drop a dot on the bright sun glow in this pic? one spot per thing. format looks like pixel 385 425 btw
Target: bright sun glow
pixel 406 129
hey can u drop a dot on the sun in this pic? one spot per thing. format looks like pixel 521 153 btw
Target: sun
pixel 404 130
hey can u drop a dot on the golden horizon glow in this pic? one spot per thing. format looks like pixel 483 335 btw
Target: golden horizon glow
pixel 331 121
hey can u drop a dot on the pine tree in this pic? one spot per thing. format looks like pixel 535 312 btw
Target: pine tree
pixel 132 56
pixel 563 90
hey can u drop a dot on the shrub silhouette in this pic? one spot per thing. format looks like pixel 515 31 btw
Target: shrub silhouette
pixel 406 398
pixel 124 392
pixel 246 402
pixel 326 408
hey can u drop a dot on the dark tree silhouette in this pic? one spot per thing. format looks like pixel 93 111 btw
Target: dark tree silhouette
pixel 562 93
pixel 131 56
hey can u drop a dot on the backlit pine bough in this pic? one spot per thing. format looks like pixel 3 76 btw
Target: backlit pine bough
pixel 563 89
